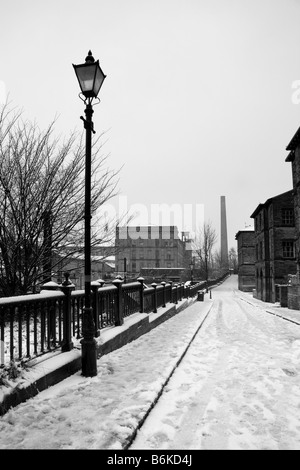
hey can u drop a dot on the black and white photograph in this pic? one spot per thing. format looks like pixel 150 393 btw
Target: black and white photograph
pixel 149 228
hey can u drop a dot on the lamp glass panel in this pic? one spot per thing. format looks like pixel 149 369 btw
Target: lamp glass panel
pixel 98 80
pixel 85 76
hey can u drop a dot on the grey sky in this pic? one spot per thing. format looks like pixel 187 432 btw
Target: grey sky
pixel 197 100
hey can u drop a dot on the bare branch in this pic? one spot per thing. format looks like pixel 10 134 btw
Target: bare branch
pixel 42 183
pixel 203 244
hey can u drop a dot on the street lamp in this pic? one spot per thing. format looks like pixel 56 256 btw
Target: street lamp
pixel 192 267
pixel 90 78
pixel 125 270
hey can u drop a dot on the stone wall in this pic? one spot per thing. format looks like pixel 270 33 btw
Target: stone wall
pixel 294 297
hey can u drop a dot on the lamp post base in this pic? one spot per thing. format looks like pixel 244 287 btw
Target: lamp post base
pixel 88 345
pixel 89 357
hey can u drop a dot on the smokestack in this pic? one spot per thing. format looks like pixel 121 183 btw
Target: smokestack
pixel 224 242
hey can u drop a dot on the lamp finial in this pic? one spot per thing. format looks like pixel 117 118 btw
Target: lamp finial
pixel 89 57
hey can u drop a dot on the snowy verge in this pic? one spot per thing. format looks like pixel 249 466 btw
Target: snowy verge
pixel 51 368
pixel 273 308
pixel 103 412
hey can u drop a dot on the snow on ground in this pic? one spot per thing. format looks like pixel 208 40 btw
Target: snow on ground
pixel 237 387
pixel 102 412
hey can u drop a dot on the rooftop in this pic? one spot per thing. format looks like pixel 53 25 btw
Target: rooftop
pixel 295 141
pixel 268 202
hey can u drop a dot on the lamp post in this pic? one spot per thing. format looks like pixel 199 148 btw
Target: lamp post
pixel 192 267
pixel 90 78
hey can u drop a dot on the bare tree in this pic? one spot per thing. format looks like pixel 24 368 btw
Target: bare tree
pixel 203 244
pixel 216 263
pixel 42 199
pixel 233 259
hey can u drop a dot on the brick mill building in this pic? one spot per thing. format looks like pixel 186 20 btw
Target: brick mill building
pixel 246 260
pixel 294 158
pixel 277 240
pixel 275 251
pixel 155 248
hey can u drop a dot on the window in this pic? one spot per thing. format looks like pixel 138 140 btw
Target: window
pixel 288 249
pixel 287 217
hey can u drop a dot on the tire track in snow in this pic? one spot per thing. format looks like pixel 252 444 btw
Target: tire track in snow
pixel 217 392
pixel 279 332
pixel 208 398
pixel 185 421
pixel 240 398
pixel 133 436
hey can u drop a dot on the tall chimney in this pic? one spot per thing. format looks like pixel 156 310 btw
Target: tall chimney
pixel 224 242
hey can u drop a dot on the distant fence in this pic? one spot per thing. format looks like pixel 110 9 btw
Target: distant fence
pixel 32 325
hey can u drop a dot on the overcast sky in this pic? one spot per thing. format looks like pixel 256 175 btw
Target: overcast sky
pixel 198 101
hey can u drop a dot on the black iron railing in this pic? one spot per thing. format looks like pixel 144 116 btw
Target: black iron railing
pixel 33 325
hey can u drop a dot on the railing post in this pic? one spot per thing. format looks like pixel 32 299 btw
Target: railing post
pixel 180 290
pixel 67 287
pixel 154 285
pixel 188 292
pixel 164 293
pixel 51 286
pixel 95 306
pixel 176 301
pixel 171 291
pixel 141 281
pixel 119 320
pixel 101 302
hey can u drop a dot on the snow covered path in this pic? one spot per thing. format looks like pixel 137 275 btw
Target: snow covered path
pixel 104 411
pixel 237 387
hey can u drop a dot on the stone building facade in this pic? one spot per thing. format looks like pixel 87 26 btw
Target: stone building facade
pixel 294 158
pixel 153 247
pixel 275 244
pixel 102 265
pixel 246 260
